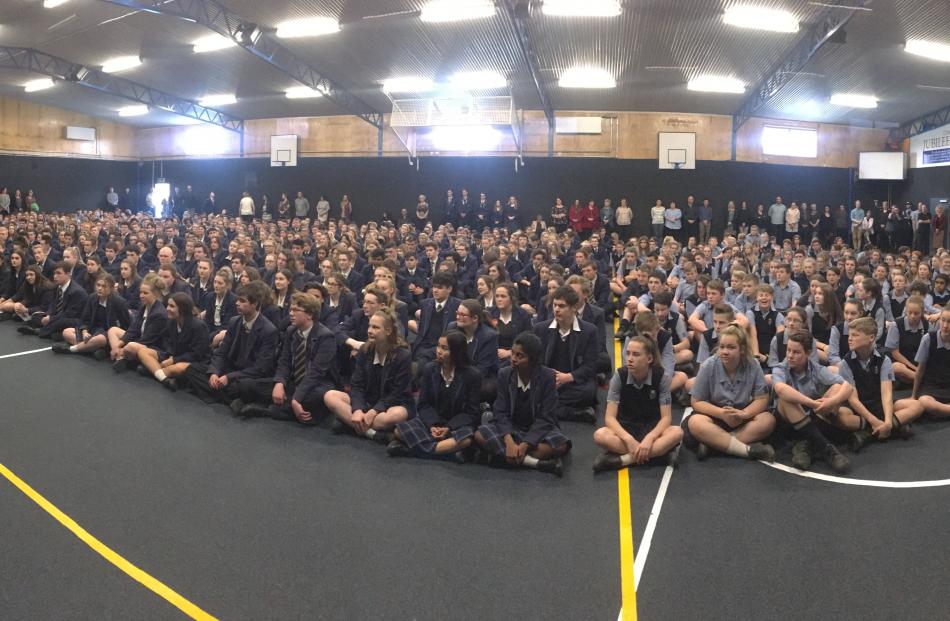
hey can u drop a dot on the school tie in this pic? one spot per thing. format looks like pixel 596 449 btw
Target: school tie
pixel 217 314
pixel 438 307
pixel 60 301
pixel 300 359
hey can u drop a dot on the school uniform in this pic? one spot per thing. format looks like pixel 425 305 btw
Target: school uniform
pixel 527 412
pixel 337 314
pixel 596 316
pixel 65 309
pixel 876 311
pixel 934 354
pixel 838 346
pixel 867 376
pixel 97 317
pixel 817 324
pixel 813 382
pixel 186 343
pixel 714 385
pixel 905 338
pixel 483 350
pixel 451 402
pixel 705 312
pixel 708 345
pixel 638 405
pixel 433 323
pixel 785 296
pixel 219 314
pixel 507 332
pixel 199 291
pixel 147 326
pixel 574 353
pixel 130 292
pixel 778 349
pixel 380 384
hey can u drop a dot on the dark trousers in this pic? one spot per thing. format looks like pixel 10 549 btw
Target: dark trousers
pixel 260 391
pixel 196 377
pixel 574 396
pixel 56 326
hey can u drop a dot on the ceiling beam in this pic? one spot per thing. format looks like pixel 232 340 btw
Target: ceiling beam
pixel 830 21
pixel 925 123
pixel 29 59
pixel 517 12
pixel 214 16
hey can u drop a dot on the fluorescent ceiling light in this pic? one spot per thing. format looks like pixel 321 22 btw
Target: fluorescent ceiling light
pixel 121 63
pixel 456 10
pixel 850 100
pixel 212 43
pixel 302 92
pixel 408 85
pixel 217 100
pixel 928 49
pixel 582 8
pixel 478 80
pixel 761 18
pixel 586 77
pixel 716 84
pixel 309 27
pixel 52 4
pixel 133 110
pixel 38 85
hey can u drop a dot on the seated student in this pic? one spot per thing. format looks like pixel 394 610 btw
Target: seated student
pixel 64 310
pixel 434 316
pixel 838 346
pixel 932 380
pixel 283 291
pixel 873 304
pixel 146 328
pixel 899 294
pixel 128 284
pixel 353 332
pixel 903 339
pixel 220 306
pixel 795 320
pixel 525 431
pixel 472 320
pixel 639 411
pixel 701 319
pixel 822 313
pixel 593 314
pixel 730 402
pixel 247 352
pixel 509 320
pixel 722 315
pixel 785 290
pixel 106 309
pixel 15 275
pixel 340 302
pixel 767 321
pixel 570 348
pixel 448 408
pixel 871 411
pixel 647 324
pixel 941 295
pixel 675 324
pixel 186 341
pixel 805 389
pixel 92 273
pixel 33 296
pixel 380 394
pixel 305 368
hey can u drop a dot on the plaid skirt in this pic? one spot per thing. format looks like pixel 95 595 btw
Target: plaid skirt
pixel 495 441
pixel 415 434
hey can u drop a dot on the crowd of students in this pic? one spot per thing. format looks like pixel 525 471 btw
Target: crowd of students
pixel 473 345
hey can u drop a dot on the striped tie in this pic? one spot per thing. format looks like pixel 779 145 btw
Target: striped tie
pixel 300 360
pixel 60 301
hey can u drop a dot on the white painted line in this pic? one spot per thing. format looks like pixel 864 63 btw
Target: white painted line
pixel 24 353
pixel 860 482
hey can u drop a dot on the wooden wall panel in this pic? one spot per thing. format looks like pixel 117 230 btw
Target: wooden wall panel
pixel 639 134
pixel 838 145
pixel 30 128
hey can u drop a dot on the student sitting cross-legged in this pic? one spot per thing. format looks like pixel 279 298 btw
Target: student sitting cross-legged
pixel 65 307
pixel 305 368
pixel 247 352
pixel 639 411
pixel 186 342
pixel 932 380
pixel 146 329
pixel 381 393
pixel 730 402
pixel 105 309
pixel 525 431
pixel 872 400
pixel 448 408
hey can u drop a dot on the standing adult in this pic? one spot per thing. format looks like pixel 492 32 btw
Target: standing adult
pixel 112 199
pixel 4 202
pixel 658 220
pixel 705 220
pixel 776 215
pixel 922 235
pixel 210 204
pixel 939 227
pixel 559 215
pixel 623 216
pixel 673 222
pixel 450 209
pixel 856 219
pixel 346 209
pixel 690 218
pixel 301 206
pixel 246 207
pixel 323 211
pixel 793 218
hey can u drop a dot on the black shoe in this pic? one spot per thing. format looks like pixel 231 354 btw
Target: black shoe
pixel 100 354
pixel 397 449
pixel 607 461
pixel 673 458
pixel 383 437
pixel 801 455
pixel 121 366
pixel 761 452
pixel 702 452
pixel 860 439
pixel 28 330
pixel 838 462
pixel 551 466
pixel 237 406
pixel 466 455
pixel 684 398
pixel 904 432
pixel 254 410
pixel 339 427
pixel 142 370
pixel 583 415
pixel 61 348
pixel 57 337
pixel 170 384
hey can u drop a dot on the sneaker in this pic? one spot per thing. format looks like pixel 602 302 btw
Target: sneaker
pixel 586 415
pixel 801 455
pixel 100 354
pixel 684 398
pixel 673 458
pixel 28 330
pixel 552 466
pixel 860 439
pixel 904 432
pixel 466 455
pixel 121 366
pixel 397 449
pixel 487 417
pixel 61 348
pixel 142 370
pixel 761 452
pixel 237 406
pixel 838 462
pixel 607 461
pixel 254 410
pixel 170 384
pixel 702 452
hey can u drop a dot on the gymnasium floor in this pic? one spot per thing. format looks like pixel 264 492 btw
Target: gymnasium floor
pixel 258 519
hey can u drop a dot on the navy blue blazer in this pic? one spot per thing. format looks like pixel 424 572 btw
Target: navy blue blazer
pixel 519 318
pixel 14 281
pixel 198 294
pixel 75 297
pixel 595 315
pixel 117 313
pixel 427 309
pixel 192 344
pixel 341 313
pixel 228 310
pixel 483 350
pixel 583 347
pixel 321 354
pixel 543 403
pixel 131 293
pixel 395 381
pixel 463 395
pixel 153 333
pixel 259 358
pixel 354 327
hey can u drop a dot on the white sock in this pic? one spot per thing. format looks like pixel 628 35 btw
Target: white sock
pixel 737 447
pixel 627 459
pixel 74 348
pixel 529 461
pixel 160 375
pixel 370 433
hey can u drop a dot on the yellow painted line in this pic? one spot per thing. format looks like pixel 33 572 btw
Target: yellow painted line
pixel 618 357
pixel 105 552
pixel 628 591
